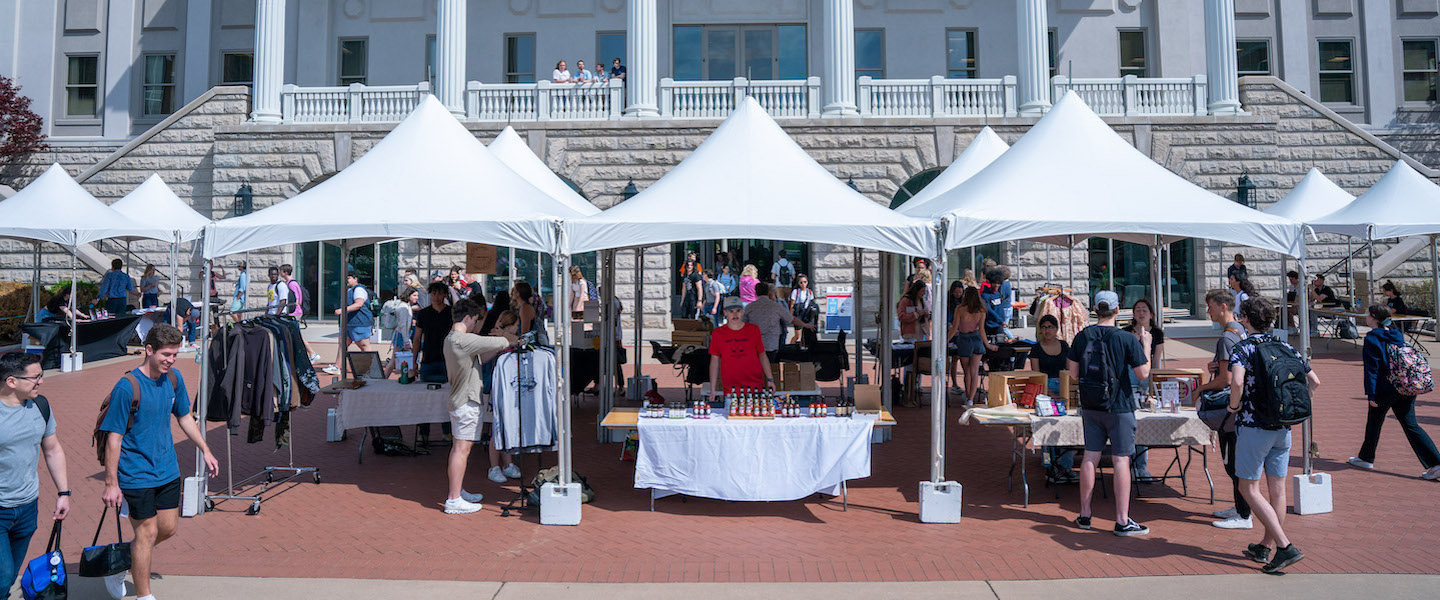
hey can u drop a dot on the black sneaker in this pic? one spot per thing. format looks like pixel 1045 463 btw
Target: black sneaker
pixel 1130 529
pixel 1284 557
pixel 1257 552
pixel 1082 522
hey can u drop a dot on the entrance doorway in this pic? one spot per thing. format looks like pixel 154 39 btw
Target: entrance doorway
pixel 319 270
pixel 1125 268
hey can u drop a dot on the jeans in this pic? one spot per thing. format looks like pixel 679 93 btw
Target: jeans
pixel 19 525
pixel 115 306
pixel 1404 409
pixel 150 301
pixel 1227 452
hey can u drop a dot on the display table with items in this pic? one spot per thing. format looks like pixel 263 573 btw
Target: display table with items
pixel 387 402
pixel 97 340
pixel 759 449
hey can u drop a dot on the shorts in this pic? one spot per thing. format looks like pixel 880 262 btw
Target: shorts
pixel 237 305
pixel 1117 428
pixel 1259 450
pixel 359 333
pixel 146 502
pixel 969 344
pixel 465 422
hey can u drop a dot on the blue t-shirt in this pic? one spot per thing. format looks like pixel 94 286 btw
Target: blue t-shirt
pixel 147 452
pixel 242 285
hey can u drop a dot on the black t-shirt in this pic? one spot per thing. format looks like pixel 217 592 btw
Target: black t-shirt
pixel 1327 295
pixel 1397 304
pixel 1052 364
pixel 1237 271
pixel 434 326
pixel 477 292
pixel 690 281
pixel 1125 354
pixel 1157 335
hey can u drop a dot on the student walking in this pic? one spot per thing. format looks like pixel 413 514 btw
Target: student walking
pixel 1262 445
pixel 359 320
pixel 140 464
pixel 27 430
pixel 1383 340
pixel 1219 307
pixel 1101 360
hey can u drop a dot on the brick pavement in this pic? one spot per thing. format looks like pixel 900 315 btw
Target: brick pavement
pixel 383 520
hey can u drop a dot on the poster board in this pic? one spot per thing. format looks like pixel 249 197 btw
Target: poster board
pixel 839 309
pixel 481 258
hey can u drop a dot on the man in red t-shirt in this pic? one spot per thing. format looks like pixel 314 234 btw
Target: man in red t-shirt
pixel 737 354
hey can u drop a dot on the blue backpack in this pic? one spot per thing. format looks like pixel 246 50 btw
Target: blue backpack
pixel 44 576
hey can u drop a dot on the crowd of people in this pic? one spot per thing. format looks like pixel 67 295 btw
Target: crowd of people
pixel 562 73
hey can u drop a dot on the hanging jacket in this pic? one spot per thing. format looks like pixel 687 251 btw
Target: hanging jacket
pixel 526 399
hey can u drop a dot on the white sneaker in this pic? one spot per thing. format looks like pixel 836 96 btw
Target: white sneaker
pixel 1356 462
pixel 315 357
pixel 513 471
pixel 496 475
pixel 471 497
pixel 460 506
pixel 1225 514
pixel 115 585
pixel 331 370
pixel 1431 474
pixel 1234 522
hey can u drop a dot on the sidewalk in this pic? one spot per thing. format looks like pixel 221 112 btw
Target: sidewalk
pixel 1180 587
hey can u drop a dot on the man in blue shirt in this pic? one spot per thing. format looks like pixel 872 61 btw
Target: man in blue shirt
pixel 242 293
pixel 116 288
pixel 140 463
pixel 359 320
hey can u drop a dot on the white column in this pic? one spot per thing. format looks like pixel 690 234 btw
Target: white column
pixel 450 55
pixel 837 84
pixel 197 49
pixel 1034 80
pixel 269 60
pixel 641 41
pixel 1221 74
pixel 122 76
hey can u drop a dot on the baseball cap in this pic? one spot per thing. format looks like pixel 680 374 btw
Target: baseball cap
pixel 733 303
pixel 1110 299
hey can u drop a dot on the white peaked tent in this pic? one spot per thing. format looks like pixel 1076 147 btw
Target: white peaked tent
pixel 1314 197
pixel 1072 175
pixel 516 154
pixel 750 180
pixel 54 208
pixel 155 203
pixel 429 178
pixel 983 150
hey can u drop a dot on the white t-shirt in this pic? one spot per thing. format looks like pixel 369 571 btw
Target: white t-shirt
pixel 361 294
pixel 278 293
pixel 558 75
pixel 799 296
pixel 775 272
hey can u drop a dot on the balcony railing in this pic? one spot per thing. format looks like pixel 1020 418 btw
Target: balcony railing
pixel 936 97
pixel 796 98
pixel 1134 96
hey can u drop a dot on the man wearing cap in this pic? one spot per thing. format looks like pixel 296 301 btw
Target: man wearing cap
pixel 1108 404
pixel 737 354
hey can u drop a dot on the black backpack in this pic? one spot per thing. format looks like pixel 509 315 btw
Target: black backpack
pixel 1098 382
pixel 1281 397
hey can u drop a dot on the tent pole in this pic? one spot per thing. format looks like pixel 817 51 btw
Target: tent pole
pixel 35 287
pixel 1435 277
pixel 1308 430
pixel 174 267
pixel 1070 269
pixel 1049 273
pixel 202 401
pixel 1369 271
pixel 1349 272
pixel 74 294
pixel 343 338
pixel 1284 284
pixel 1110 263
pixel 512 267
pixel 429 263
pixel 638 316
pixel 1155 295
pixel 938 327
pixel 887 289
pixel 855 322
pixel 562 355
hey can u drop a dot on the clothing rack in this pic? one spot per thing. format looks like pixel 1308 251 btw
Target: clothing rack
pixel 522 502
pixel 269 473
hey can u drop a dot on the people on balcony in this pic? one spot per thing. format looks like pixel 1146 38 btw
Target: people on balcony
pixel 600 75
pixel 581 74
pixel 561 74
pixel 617 70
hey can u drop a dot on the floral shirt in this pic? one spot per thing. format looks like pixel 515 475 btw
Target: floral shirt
pixel 1240 358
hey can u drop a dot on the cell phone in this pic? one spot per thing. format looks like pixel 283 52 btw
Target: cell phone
pixel 432 386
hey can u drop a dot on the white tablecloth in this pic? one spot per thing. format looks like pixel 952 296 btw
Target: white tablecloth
pixel 385 402
pixel 1151 429
pixel 753 460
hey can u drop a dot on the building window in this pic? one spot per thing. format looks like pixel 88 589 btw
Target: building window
pixel 159 90
pixel 960 62
pixel 1252 57
pixel 519 58
pixel 1418 70
pixel 354 61
pixel 237 68
pixel 1132 53
pixel 718 52
pixel 430 61
pixel 610 45
pixel 1337 72
pixel 1054 50
pixel 870 53
pixel 82 89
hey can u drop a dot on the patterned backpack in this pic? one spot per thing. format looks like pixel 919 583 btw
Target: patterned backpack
pixel 1409 372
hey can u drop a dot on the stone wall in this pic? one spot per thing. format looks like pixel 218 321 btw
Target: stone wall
pixel 208 149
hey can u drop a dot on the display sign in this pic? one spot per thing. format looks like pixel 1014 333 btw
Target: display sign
pixel 481 258
pixel 839 310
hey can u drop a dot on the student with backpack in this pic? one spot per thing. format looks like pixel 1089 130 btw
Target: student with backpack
pixel 1270 388
pixel 27 430
pixel 1101 360
pixel 1395 374
pixel 297 303
pixel 138 451
pixel 1219 306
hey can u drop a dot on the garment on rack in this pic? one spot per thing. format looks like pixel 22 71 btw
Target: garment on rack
pixel 259 368
pixel 1070 312
pixel 526 399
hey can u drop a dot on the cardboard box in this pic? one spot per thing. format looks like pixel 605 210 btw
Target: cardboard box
pixel 777 373
pixel 789 376
pixel 690 338
pixel 806 379
pixel 868 398
pixel 688 324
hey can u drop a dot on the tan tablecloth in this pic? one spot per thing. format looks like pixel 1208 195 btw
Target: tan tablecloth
pixel 384 402
pixel 1151 429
